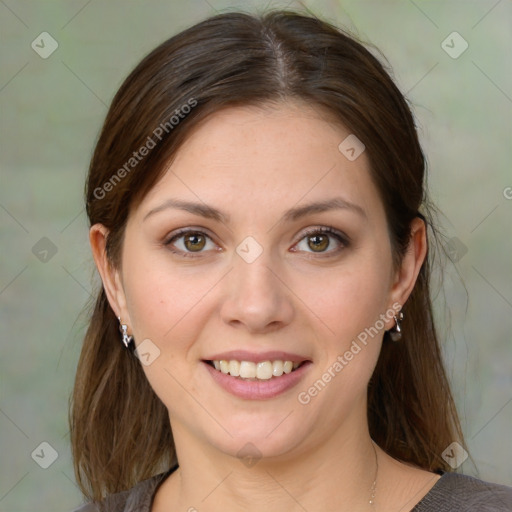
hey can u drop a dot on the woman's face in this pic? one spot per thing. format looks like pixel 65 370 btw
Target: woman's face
pixel 262 243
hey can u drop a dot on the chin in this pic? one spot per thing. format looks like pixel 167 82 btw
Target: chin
pixel 257 437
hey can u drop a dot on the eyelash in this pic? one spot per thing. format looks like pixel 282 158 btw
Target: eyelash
pixel 342 239
pixel 339 236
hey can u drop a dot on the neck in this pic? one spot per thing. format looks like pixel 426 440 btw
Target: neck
pixel 335 475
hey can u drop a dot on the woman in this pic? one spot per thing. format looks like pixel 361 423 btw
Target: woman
pixel 264 335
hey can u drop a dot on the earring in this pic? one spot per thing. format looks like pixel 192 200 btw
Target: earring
pixel 396 331
pixel 127 339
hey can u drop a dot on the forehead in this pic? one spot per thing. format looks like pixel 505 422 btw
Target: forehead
pixel 265 159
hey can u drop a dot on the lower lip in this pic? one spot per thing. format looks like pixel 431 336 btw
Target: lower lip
pixel 258 389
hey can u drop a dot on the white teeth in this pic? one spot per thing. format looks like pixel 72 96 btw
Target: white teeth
pixel 287 366
pixel 234 368
pixel 264 370
pixel 247 370
pixel 277 368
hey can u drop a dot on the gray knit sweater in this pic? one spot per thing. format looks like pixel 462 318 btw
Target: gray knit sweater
pixel 451 493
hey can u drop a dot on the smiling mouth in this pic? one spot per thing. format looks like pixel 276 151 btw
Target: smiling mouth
pixel 248 370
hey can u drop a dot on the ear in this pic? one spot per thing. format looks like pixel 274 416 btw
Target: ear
pixel 110 276
pixel 405 277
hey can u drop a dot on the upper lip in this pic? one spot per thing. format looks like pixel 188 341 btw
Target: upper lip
pixel 245 355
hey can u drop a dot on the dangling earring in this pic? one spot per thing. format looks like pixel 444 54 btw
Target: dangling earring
pixel 127 339
pixel 396 331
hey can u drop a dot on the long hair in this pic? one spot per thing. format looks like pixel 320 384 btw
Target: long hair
pixel 120 430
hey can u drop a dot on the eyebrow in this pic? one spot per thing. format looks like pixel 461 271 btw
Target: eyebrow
pixel 293 214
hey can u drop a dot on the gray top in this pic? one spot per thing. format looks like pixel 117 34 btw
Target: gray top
pixel 451 493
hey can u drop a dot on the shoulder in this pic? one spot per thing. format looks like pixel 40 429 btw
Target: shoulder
pixel 136 499
pixel 461 493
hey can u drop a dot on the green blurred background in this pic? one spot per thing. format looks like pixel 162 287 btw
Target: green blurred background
pixel 51 112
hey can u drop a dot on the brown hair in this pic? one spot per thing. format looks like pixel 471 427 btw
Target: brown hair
pixel 120 430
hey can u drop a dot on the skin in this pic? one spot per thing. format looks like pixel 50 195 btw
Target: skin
pixel 254 164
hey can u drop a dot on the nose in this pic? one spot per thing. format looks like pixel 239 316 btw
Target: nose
pixel 256 298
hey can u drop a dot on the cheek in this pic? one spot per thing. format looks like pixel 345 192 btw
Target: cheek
pixel 169 307
pixel 349 345
pixel 350 299
pixel 165 303
pixel 348 307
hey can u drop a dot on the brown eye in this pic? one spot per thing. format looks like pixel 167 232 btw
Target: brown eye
pixel 194 242
pixel 318 243
pixel 190 243
pixel 323 241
